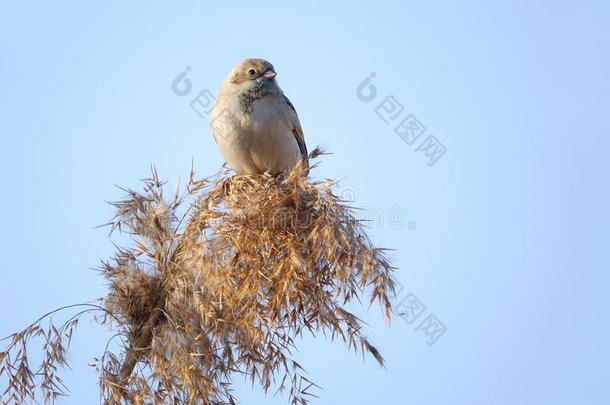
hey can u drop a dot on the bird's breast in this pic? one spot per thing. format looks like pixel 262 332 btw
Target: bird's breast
pixel 259 139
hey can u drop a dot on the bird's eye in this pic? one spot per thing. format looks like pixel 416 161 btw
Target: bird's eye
pixel 251 72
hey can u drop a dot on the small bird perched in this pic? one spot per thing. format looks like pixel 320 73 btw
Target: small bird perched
pixel 254 124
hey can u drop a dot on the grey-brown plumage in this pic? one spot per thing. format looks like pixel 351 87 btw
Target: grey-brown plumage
pixel 254 124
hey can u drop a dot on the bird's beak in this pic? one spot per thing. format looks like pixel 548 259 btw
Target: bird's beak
pixel 270 74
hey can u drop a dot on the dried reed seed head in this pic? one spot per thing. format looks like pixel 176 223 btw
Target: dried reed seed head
pixel 225 283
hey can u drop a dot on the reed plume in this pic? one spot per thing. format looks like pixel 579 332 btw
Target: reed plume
pixel 219 279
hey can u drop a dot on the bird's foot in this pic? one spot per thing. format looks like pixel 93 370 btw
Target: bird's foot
pixel 276 180
pixel 226 186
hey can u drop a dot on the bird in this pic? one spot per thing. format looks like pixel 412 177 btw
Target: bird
pixel 255 125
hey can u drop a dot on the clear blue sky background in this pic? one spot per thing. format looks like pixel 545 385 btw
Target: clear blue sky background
pixel 504 239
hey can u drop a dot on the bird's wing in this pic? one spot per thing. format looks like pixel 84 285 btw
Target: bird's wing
pixel 297 131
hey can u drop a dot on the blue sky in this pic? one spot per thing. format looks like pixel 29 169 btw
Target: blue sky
pixel 503 239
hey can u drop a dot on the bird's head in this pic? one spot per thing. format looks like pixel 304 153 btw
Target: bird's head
pixel 252 74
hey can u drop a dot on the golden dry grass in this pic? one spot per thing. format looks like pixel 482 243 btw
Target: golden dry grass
pixel 219 281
